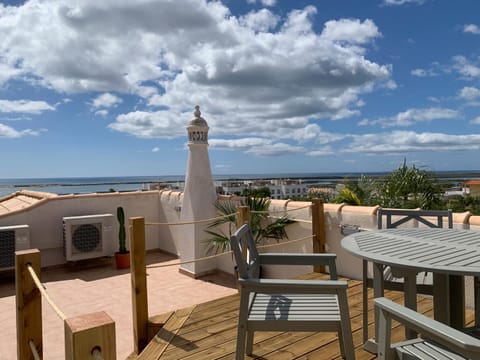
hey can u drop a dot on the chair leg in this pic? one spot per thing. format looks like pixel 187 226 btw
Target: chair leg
pixel 346 338
pixel 240 351
pixel 342 344
pixel 249 342
pixel 365 301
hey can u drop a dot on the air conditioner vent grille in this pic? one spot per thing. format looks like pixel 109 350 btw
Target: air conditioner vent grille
pixel 86 238
pixel 7 248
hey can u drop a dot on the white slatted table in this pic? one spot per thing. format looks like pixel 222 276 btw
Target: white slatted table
pixel 449 253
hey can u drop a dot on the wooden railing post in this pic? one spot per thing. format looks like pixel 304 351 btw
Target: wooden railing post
pixel 29 304
pixel 139 284
pixel 318 231
pixel 243 217
pixel 86 334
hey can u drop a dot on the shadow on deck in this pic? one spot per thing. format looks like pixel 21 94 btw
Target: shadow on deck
pixel 209 330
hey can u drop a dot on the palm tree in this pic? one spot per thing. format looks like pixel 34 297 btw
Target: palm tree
pixel 261 225
pixel 410 188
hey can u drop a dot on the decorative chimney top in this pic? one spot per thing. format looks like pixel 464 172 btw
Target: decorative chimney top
pixel 197 129
pixel 198 120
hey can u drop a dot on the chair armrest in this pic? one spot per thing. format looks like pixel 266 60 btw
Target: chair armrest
pixel 297 259
pixel 292 286
pixel 439 332
pixel 301 259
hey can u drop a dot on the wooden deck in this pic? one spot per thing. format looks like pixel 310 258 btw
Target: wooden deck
pixel 209 330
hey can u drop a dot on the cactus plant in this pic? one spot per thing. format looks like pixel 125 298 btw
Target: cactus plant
pixel 121 230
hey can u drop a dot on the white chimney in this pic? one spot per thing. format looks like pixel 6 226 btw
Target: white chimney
pixel 198 199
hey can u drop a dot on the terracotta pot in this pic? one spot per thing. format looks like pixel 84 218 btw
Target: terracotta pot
pixel 122 260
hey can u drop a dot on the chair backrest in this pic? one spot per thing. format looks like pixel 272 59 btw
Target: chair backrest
pixel 411 214
pixel 249 267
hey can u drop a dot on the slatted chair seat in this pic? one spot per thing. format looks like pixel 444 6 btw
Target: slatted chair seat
pixel 288 304
pixel 438 341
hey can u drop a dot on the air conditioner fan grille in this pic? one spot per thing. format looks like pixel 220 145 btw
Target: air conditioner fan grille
pixel 87 237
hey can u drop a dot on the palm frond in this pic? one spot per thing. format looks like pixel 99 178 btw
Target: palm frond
pixel 218 243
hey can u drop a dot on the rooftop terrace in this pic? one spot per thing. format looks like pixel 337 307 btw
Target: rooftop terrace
pixel 206 310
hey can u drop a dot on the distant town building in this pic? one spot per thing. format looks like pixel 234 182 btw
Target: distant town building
pixel 279 188
pixel 472 187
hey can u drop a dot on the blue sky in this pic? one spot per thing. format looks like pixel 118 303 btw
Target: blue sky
pixel 107 88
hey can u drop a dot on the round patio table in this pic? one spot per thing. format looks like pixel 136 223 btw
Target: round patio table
pixel 449 253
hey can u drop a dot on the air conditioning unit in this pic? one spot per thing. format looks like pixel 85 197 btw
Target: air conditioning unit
pixel 87 237
pixel 12 238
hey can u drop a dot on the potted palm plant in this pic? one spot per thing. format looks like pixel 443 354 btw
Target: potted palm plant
pixel 122 256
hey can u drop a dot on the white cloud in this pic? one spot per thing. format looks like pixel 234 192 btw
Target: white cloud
pixel 155 149
pixel 350 30
pixel 256 146
pixel 106 100
pixel 272 74
pixel 324 151
pixel 469 93
pixel 403 2
pixel 262 20
pixel 263 2
pixel 102 113
pixel 413 116
pixel 475 121
pixel 465 67
pixel 24 106
pixel 10 132
pixel 400 142
pixel 471 28
pixel 144 124
pixel 423 72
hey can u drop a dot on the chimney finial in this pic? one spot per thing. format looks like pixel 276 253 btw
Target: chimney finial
pixel 197 112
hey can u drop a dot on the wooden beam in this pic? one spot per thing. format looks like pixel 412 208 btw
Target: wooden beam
pixel 139 284
pixel 318 231
pixel 29 304
pixel 90 333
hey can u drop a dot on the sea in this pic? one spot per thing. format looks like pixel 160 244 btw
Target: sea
pixel 84 185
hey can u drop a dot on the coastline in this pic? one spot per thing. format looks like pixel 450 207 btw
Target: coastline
pixel 79 185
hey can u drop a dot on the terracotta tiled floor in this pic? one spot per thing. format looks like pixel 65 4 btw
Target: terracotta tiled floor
pixel 80 290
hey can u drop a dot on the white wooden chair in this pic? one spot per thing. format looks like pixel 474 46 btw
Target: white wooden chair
pixel 392 218
pixel 438 340
pixel 286 304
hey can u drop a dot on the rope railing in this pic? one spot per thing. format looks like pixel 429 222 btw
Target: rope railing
pixel 34 350
pixel 281 211
pixel 224 217
pixel 97 353
pixel 44 293
pixel 193 221
pixel 227 252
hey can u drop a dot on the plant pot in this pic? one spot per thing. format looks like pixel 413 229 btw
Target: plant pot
pixel 122 260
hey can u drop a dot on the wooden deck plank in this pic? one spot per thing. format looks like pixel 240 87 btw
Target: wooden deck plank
pixel 209 331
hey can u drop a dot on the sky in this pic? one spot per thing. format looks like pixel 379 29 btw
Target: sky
pixel 107 88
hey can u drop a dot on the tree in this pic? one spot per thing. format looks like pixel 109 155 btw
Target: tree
pixel 357 192
pixel 460 203
pixel 261 225
pixel 409 188
pixel 263 192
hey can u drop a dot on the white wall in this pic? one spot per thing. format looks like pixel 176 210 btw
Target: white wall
pixel 45 220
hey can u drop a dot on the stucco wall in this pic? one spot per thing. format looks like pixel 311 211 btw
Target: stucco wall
pixel 45 220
